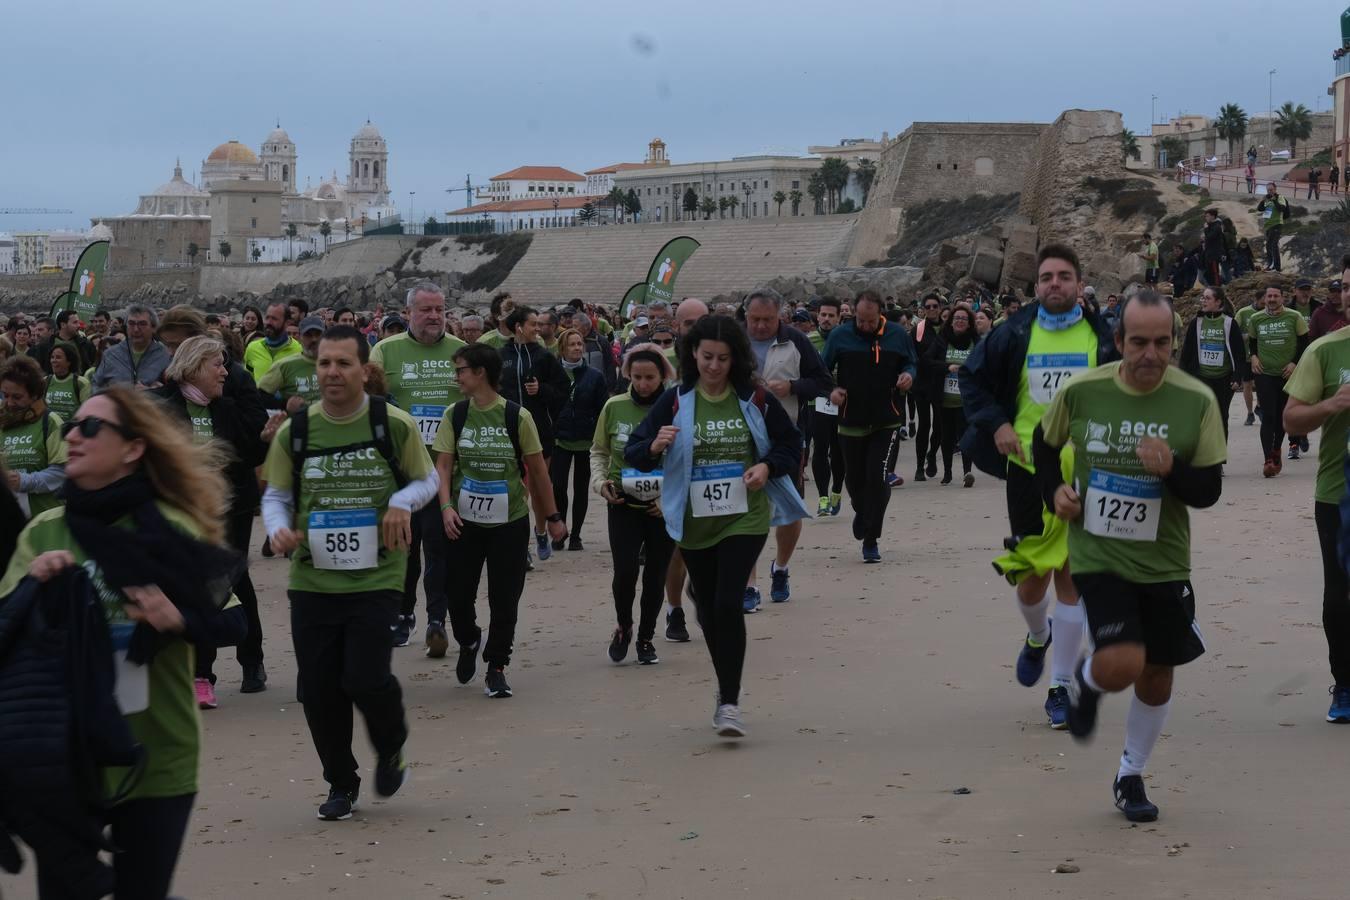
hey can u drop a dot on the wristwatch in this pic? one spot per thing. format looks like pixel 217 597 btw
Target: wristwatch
pixel 555 517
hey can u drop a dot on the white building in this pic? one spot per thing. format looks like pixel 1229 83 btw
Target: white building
pixel 751 180
pixel 8 255
pixel 534 182
pixel 527 215
pixel 600 182
pixel 30 251
pixel 64 248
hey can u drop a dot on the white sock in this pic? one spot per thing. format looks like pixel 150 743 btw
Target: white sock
pixel 1068 643
pixel 1143 725
pixel 1087 676
pixel 774 567
pixel 1038 625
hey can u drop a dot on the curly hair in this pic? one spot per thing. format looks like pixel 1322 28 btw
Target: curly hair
pixel 728 331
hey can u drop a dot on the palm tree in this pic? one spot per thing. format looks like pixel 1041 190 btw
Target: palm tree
pixel 257 253
pixel 1231 124
pixel 690 202
pixel 722 204
pixel 796 197
pixel 291 232
pixel 815 186
pixel 834 172
pixel 618 199
pixel 1129 146
pixel 632 203
pixel 587 213
pixel 866 174
pixel 732 203
pixel 225 250
pixel 1174 147
pixel 326 229
pixel 780 198
pixel 708 206
pixel 1293 124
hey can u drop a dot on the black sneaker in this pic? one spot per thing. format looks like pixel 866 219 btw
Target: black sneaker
pixel 932 467
pixel 389 774
pixel 1251 419
pixel 558 545
pixel 267 548
pixel 574 543
pixel 338 806
pixel 255 680
pixel 1303 443
pixel 1082 706
pixel 495 685
pixel 918 474
pixel 467 666
pixel 1132 801
pixel 437 640
pixel 646 654
pixel 676 632
pixel 403 630
pixel 618 644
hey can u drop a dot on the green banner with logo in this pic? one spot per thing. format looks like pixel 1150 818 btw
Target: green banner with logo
pixel 666 267
pixel 86 282
pixel 634 296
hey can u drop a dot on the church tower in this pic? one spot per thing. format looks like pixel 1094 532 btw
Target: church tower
pixel 278 159
pixel 368 180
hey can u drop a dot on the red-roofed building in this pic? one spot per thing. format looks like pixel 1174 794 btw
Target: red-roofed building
pixel 530 182
pixel 535 212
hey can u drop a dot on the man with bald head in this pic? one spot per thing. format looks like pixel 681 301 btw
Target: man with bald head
pixel 690 310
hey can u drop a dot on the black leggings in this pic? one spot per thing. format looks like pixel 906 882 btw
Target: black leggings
pixel 1270 394
pixel 953 426
pixel 149 835
pixel 930 430
pixel 631 532
pixel 1223 392
pixel 579 461
pixel 827 466
pixel 1335 593
pixel 718 575
pixel 865 475
pixel 497 547
pixel 238 531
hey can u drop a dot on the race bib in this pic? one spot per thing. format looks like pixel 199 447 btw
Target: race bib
pixel 428 421
pixel 346 541
pixel 484 502
pixel 718 491
pixel 1048 372
pixel 951 385
pixel 825 407
pixel 1123 507
pixel 1211 354
pixel 642 485
pixel 132 686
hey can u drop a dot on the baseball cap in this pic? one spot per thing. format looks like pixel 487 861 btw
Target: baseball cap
pixel 311 323
pixel 1303 283
pixel 640 321
pixel 393 322
pixel 801 315
pixel 1089 291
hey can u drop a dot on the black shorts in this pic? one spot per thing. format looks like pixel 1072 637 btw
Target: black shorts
pixel 1160 616
pixel 1024 502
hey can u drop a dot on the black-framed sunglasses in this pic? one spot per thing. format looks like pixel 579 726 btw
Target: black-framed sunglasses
pixel 665 343
pixel 927 306
pixel 90 426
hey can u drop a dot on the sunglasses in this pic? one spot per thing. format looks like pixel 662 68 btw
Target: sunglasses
pixel 90 426
pixel 932 307
pixel 668 343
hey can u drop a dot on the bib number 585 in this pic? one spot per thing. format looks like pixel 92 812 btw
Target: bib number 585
pixel 342 541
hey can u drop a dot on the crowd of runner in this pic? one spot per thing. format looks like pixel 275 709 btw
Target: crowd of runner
pixel 425 445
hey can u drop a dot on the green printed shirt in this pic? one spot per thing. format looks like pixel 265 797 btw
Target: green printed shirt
pixel 25 451
pixel 951 389
pixel 1131 525
pixel 483 454
pixel 1324 367
pixel 64 395
pixel 1215 360
pixel 1277 338
pixel 421 378
pixel 203 423
pixel 619 418
pixel 294 376
pixel 722 437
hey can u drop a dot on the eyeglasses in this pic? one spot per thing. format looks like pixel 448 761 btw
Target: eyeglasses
pixel 459 369
pixel 90 426
pixel 666 343
pixel 931 306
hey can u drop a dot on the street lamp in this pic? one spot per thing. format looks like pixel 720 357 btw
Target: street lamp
pixel 1153 116
pixel 745 210
pixel 555 212
pixel 410 206
pixel 1270 112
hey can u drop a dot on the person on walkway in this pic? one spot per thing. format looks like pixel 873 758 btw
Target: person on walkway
pixel 945 357
pixel 1331 315
pixel 1214 351
pixel 488 454
pixel 1334 178
pixel 728 452
pixel 344 478
pixel 638 542
pixel 66 388
pixel 139 360
pixel 30 437
pixel 1007 383
pixel 1274 210
pixel 872 359
pixel 927 392
pixel 1276 340
pixel 827 462
pixel 576 432
pixel 1150 257
pixel 1314 183
pixel 1215 249
pixel 1129 526
pixel 276 344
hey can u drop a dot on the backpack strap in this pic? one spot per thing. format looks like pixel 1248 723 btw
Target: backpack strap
pixel 46 428
pixel 384 441
pixel 513 431
pixel 299 449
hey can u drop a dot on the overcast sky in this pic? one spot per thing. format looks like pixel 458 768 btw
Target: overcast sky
pixel 101 96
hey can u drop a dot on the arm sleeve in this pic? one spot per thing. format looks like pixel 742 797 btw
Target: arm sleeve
pixel 1301 344
pixel 1197 486
pixel 977 379
pixel 276 509
pixel 1305 384
pixel 44 481
pixel 1048 474
pixel 416 494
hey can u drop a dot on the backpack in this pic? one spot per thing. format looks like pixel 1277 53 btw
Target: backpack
pixel 459 414
pixel 380 440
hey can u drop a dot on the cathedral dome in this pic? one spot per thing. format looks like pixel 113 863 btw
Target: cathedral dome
pixel 368 132
pixel 100 232
pixel 278 136
pixel 233 152
pixel 177 187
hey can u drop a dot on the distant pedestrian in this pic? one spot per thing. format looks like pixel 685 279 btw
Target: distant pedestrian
pixel 1334 178
pixel 1150 257
pixel 1314 185
pixel 1274 210
pixel 1251 176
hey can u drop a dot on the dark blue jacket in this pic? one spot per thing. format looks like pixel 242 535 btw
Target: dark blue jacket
pixel 579 414
pixel 868 368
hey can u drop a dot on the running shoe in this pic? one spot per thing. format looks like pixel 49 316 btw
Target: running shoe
pixel 727 720
pixel 969 480
pixel 402 630
pixel 918 474
pixel 389 774
pixel 255 680
pixel 1293 451
pixel 646 654
pixel 495 685
pixel 1271 468
pixel 903 432
pixel 946 478
pixel 932 467
pixel 437 640
pixel 206 693
pixel 676 632
pixel 1303 443
pixel 779 590
pixel 871 553
pixel 338 806
pixel 618 644
pixel 836 501
pixel 574 543
pixel 267 551
pixel 1132 800
pixel 1031 660
pixel 751 601
pixel 823 508
pixel 1251 419
pixel 1340 704
pixel 894 481
pixel 541 544
pixel 467 665
pixel 1082 706
pixel 558 545
pixel 1057 707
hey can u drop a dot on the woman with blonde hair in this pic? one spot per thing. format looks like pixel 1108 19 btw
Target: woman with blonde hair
pixel 144 511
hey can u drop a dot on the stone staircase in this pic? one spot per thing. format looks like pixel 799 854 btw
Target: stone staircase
pixel 598 264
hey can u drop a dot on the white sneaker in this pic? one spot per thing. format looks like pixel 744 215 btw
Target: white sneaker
pixel 727 721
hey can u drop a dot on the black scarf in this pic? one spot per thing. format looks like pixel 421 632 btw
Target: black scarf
pixel 195 575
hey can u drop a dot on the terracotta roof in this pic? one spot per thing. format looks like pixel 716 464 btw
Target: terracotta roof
pixel 540 204
pixel 539 173
pixel 617 167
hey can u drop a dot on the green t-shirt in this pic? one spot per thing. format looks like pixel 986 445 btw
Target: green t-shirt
pixel 484 457
pixel 64 395
pixel 1215 360
pixel 1321 371
pixel 25 451
pixel 258 357
pixel 817 339
pixel 1053 358
pixel 203 423
pixel 1277 338
pixel 1151 255
pixel 1132 526
pixel 722 437
pixel 495 338
pixel 1244 318
pixel 294 376
pixel 619 418
pixel 168 727
pixel 421 378
pixel 346 494
pixel 951 388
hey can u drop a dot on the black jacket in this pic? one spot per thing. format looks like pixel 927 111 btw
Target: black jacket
pixel 990 377
pixel 1215 247
pixel 935 359
pixel 521 362
pixel 1237 351
pixel 929 382
pixel 867 368
pixel 586 397
pixel 599 354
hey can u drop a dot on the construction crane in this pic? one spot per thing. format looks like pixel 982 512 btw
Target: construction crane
pixel 32 211
pixel 467 191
